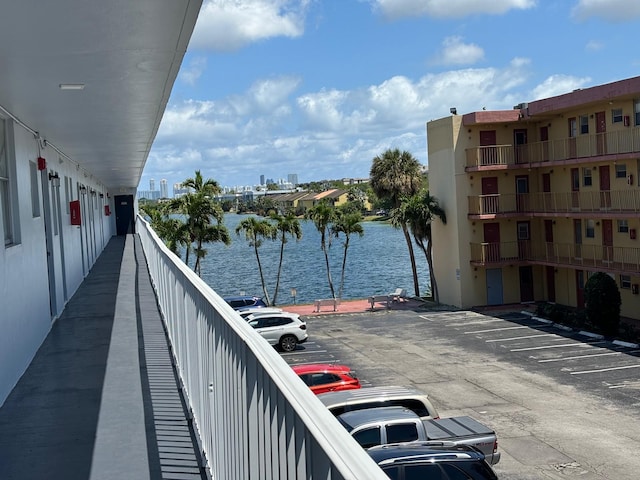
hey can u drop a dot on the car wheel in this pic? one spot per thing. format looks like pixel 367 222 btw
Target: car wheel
pixel 288 343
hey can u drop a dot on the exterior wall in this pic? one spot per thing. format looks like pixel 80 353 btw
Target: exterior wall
pixel 592 130
pixel 32 298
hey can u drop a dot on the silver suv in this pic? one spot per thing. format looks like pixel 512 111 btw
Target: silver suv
pixel 283 329
pixel 372 397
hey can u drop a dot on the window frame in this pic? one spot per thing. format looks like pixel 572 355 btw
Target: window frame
pixel 8 186
pixel 625 281
pixel 623 226
pixel 616 115
pixel 590 228
pixel 584 124
pixel 587 175
pixel 621 170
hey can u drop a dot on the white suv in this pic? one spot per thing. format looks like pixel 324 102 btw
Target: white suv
pixel 246 312
pixel 282 329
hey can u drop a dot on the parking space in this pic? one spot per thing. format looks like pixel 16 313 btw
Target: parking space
pixel 558 399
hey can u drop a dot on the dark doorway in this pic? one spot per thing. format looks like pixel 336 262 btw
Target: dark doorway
pixel 124 214
pixel 551 284
pixel 492 242
pixel 526 284
pixel 488 150
pixel 489 195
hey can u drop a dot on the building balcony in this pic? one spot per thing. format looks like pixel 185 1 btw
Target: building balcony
pixel 616 203
pixel 618 142
pixel 625 260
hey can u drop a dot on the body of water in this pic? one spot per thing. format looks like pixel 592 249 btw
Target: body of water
pixel 377 264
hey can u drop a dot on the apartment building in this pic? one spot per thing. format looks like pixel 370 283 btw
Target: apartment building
pixel 538 198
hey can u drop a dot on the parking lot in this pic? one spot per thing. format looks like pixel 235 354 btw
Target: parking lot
pixel 564 404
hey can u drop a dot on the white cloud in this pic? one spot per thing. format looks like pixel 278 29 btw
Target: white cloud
pixel 191 72
pixel 448 8
pixel 609 10
pixel 593 46
pixel 456 52
pixel 228 25
pixel 558 85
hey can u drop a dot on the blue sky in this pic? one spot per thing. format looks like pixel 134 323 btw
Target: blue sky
pixel 320 87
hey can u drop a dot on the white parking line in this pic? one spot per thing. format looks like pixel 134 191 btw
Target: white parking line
pixel 577 357
pixel 605 369
pixel 581 345
pixel 520 338
pixel 476 322
pixel 499 329
pixel 626 385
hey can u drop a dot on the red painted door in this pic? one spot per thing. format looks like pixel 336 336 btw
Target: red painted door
pixel 490 198
pixel 548 239
pixel 607 241
pixel 573 130
pixel 492 242
pixel 488 150
pixel 547 196
pixel 605 187
pixel 544 138
pixel 601 133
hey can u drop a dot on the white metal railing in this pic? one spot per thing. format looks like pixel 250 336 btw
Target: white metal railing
pixel 254 417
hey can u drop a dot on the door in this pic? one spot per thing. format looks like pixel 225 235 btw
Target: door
pixel 522 193
pixel 548 240
pixel 544 138
pixel 49 219
pixel 547 200
pixel 580 288
pixel 490 197
pixel 124 214
pixel 607 241
pixel 551 283
pixel 577 238
pixel 601 135
pixel 520 144
pixel 488 150
pixel 491 242
pixel 573 130
pixel 494 286
pixel 575 189
pixel 524 241
pixel 605 187
pixel 526 283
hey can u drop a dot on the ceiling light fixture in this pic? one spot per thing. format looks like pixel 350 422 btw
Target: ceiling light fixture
pixel 72 86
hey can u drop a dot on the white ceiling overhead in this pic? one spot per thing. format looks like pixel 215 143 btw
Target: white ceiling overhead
pixel 126 54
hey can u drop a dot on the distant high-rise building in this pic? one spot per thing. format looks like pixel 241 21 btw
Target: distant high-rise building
pixel 164 189
pixel 292 178
pixel 152 185
pixel 261 179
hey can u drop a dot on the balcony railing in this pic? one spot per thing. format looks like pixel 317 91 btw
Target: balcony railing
pixel 255 418
pixel 601 257
pixel 615 201
pixel 583 146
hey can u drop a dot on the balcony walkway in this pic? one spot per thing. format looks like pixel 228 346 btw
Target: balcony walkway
pixel 101 399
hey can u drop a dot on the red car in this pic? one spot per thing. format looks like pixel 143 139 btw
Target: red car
pixel 327 377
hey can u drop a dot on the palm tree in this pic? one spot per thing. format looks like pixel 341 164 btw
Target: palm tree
pixel 201 211
pixel 255 231
pixel 395 175
pixel 348 223
pixel 419 211
pixel 322 215
pixel 285 225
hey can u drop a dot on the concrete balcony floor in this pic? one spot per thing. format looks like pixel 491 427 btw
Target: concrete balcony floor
pixel 101 399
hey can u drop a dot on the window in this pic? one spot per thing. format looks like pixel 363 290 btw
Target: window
pixel 369 437
pixel 625 281
pixel 623 226
pixel 621 170
pixel 402 433
pixel 523 231
pixel 636 112
pixel 616 115
pixel 35 193
pixel 7 201
pixel 584 124
pixel 587 179
pixel 590 229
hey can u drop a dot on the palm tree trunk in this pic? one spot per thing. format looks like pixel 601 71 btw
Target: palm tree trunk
pixel 344 266
pixel 275 293
pixel 264 286
pixel 326 260
pixel 412 256
pixel 434 285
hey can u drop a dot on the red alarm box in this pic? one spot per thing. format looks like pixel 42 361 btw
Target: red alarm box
pixel 74 210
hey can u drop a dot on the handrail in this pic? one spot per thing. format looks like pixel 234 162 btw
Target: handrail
pixel 254 417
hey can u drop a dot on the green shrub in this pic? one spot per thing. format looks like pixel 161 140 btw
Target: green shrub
pixel 603 302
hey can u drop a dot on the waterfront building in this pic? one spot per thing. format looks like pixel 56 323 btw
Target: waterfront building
pixel 164 189
pixel 91 298
pixel 538 198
